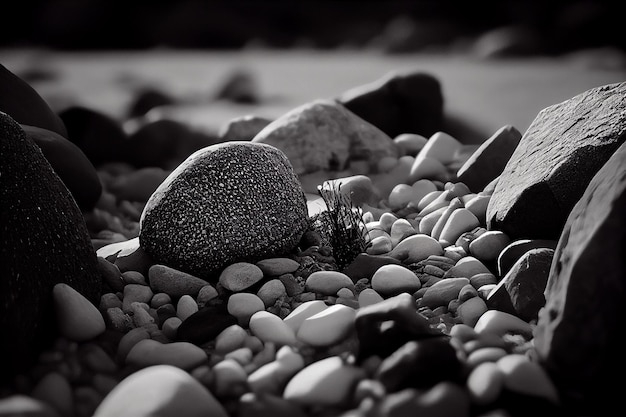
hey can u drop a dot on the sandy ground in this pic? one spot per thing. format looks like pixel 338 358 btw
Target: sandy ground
pixel 487 94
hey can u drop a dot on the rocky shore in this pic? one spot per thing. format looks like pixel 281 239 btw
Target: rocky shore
pixel 349 258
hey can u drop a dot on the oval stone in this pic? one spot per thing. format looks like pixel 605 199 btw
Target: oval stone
pixel 173 282
pixel 327 327
pixel 485 383
pixel 527 377
pixel 500 323
pixel 240 275
pixel 328 282
pixel 273 267
pixel 305 310
pixel 243 305
pixel 442 292
pixel 390 280
pixel 148 352
pixel 416 248
pixel 77 318
pixel 270 328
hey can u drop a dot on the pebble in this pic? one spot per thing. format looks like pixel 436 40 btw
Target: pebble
pixel 327 327
pixel 136 293
pixel 400 230
pixel 109 300
pixel 428 222
pixel 527 377
pixel 77 318
pixel 445 399
pixel 478 206
pixel 230 379
pixel 148 392
pixel 390 280
pixel 173 282
pixel 461 220
pixel 484 383
pixel 160 299
pixel 274 267
pixel 442 292
pixel 243 305
pixel 386 220
pixel 425 167
pixel 328 282
pixel 401 195
pixel 22 405
pixel 454 204
pixel 470 310
pixel 111 274
pixel 305 310
pixel 467 267
pixel 242 355
pixel 55 390
pixel 467 292
pixel 484 354
pixel 484 278
pixel 129 340
pixel 379 245
pixel 442 147
pixel 410 143
pixel 170 327
pixel 500 323
pixel 416 248
pixel 206 294
pixel 239 276
pixel 369 297
pixel 134 277
pixel 489 245
pixel 140 314
pixel 429 198
pixel 272 377
pixel 270 328
pixel 271 291
pixel 185 307
pixel 328 382
pixel 231 338
pixel 148 352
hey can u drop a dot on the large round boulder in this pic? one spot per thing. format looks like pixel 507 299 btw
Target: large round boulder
pixel 226 203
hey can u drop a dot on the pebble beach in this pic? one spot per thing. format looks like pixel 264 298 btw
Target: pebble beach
pixel 433 309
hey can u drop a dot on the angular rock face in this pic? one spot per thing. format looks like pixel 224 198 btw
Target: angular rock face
pixel 230 202
pixel 324 135
pixel 556 158
pixel 399 103
pixel 44 241
pixel 579 336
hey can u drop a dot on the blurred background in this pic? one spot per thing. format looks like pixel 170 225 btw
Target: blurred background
pixel 490 28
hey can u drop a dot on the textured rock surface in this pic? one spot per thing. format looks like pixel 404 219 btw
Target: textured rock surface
pixel 488 161
pixel 44 242
pixel 324 135
pixel 231 202
pixel 561 151
pixel 577 336
pixel 399 103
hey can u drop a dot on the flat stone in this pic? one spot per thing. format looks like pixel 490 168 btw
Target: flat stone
pixel 273 267
pixel 148 352
pixel 328 282
pixel 585 290
pixel 515 250
pixel 488 246
pixel 325 135
pixel 416 248
pixel 390 280
pixel 556 158
pixel 173 282
pixel 187 223
pixel 240 275
pixel 500 323
pixel 271 329
pixel 243 305
pixel 489 160
pixel 442 292
pixel 328 327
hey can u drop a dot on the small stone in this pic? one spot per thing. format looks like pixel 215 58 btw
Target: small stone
pixel 515 250
pixel 487 247
pixel 229 339
pixel 136 293
pixel 368 297
pixel 379 245
pixel 148 352
pixel 139 312
pixel 467 292
pixel 174 282
pixel 22 405
pixel 359 189
pixel 471 310
pixel 328 382
pixel 442 147
pixel 230 379
pixel 129 340
pixel 466 267
pixel 400 230
pixel 111 274
pixel 252 405
pixel 55 390
pixel 271 291
pixel 484 354
pixel 416 248
pixel 527 377
pixel 328 282
pixel 242 128
pixel 442 292
pixel 484 278
pixel 478 206
pixel 274 267
pixel 403 194
pixel 109 300
pixel 428 168
pixel 305 310
pixel 327 327
pixel 170 327
pixel 410 143
pixel 185 307
pixel 428 222
pixel 445 399
pixel 77 318
pixel 149 392
pixel 243 305
pixel 270 328
pixel 205 325
pixel 134 277
pixel 500 323
pixel 272 377
pixel 206 294
pixel 390 280
pixel 485 383
pixel 240 275
pixel 461 220
pixel 160 299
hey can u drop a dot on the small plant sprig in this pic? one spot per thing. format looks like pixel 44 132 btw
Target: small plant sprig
pixel 341 225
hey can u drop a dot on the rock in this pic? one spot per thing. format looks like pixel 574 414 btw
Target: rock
pixel 444 399
pixel 369 297
pixel 561 151
pixel 173 282
pixel 274 267
pixel 358 188
pixel 22 405
pixel 399 103
pixel 442 292
pixel 136 293
pixel 489 160
pixel 410 143
pixel 515 250
pixel 478 206
pixel 585 290
pixel 272 377
pixel 239 276
pixel 231 338
pixel 328 382
pixel 271 329
pixel 44 242
pixel 488 246
pixel 242 128
pixel 271 291
pixel 416 248
pixel 229 378
pixel 148 352
pixel 425 167
pixel 185 307
pixel 160 390
pixel 146 99
pixel 206 294
pixel 522 288
pixel 500 323
pixel 469 311
pixel 327 282
pixel 111 274
pixel 240 86
pixel 205 325
pixel 344 137
pixel 260 189
pixel 527 377
pixel 364 265
pixel 101 138
pixel 305 310
pixel 461 220
pixel 467 267
pixel 243 305
pixel 400 230
pixel 434 360
pixel 55 390
pixel 442 147
pixel 252 405
pixel 484 383
pixel 24 104
pixel 70 164
pixel 328 327
pixel 390 280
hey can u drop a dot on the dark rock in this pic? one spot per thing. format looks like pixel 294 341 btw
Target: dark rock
pixel 99 136
pixel 561 151
pixel 399 103
pixel 578 338
pixel 515 250
pixel 146 99
pixel 20 101
pixel 44 242
pixel 364 265
pixel 489 160
pixel 204 325
pixel 239 87
pixel 522 287
pixel 230 202
pixel 70 164
pixel 138 185
pixel 242 128
pixel 111 275
pixel 324 135
pixel 420 364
